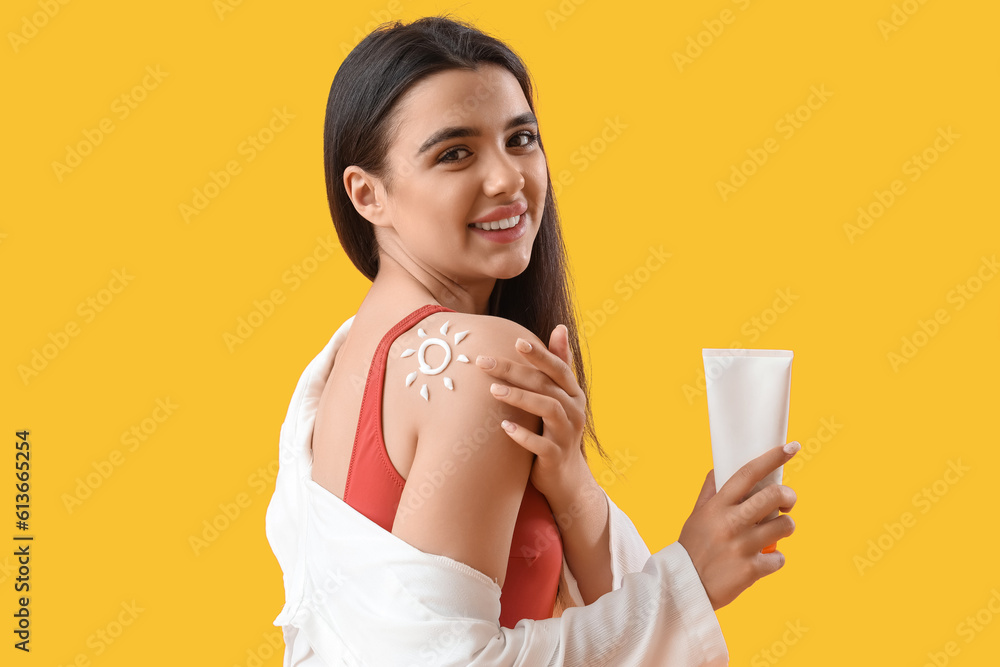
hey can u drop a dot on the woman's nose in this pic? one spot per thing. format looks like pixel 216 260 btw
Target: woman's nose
pixel 503 176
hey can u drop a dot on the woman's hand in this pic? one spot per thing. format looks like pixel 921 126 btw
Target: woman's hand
pixel 724 536
pixel 545 386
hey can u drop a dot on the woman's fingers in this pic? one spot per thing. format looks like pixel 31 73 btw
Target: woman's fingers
pixel 533 442
pixel 769 499
pixel 765 564
pixel 541 405
pixel 550 364
pixel 747 477
pixel 522 375
pixel 559 344
pixel 547 372
pixel 771 531
pixel 707 489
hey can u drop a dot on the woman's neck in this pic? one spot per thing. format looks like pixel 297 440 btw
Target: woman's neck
pixel 398 285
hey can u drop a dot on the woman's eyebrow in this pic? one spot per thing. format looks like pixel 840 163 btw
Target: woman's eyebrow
pixel 446 133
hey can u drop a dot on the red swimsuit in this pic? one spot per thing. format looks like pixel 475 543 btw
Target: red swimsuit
pixel 374 488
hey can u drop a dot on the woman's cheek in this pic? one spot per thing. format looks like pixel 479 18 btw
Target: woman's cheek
pixel 539 185
pixel 541 173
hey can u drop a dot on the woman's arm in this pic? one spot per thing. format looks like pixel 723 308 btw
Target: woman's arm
pixel 627 553
pixel 583 515
pixel 467 479
pixel 546 386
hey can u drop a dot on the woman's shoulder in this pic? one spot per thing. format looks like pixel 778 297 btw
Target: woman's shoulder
pixel 462 331
pixel 432 365
pixel 468 476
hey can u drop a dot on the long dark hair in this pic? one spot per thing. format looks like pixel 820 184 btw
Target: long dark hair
pixel 359 124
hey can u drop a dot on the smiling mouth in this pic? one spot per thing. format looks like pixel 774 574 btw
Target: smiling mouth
pixel 506 223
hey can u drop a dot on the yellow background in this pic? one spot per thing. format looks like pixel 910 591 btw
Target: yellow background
pixel 681 129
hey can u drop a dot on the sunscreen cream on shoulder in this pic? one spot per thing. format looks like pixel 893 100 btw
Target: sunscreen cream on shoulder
pixel 748 397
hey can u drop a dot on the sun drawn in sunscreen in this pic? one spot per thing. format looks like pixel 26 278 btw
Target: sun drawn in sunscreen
pixel 427 370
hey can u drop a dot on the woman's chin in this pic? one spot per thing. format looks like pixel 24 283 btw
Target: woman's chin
pixel 511 269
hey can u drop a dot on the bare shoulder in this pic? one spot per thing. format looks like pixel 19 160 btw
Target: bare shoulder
pixel 435 361
pixel 468 476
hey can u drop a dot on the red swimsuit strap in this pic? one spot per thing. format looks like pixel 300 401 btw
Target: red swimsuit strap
pixel 371 401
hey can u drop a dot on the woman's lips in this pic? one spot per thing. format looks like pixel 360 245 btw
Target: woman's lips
pixel 504 235
pixel 501 212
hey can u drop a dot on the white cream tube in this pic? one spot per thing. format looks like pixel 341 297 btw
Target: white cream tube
pixel 748 397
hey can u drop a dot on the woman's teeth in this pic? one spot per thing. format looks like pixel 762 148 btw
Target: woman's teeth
pixel 506 223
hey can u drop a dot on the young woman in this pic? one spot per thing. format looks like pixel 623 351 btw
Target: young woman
pixel 434 481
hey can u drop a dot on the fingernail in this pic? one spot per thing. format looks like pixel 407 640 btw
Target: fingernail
pixel 485 362
pixel 499 389
pixel 522 345
pixel 792 447
pixel 508 426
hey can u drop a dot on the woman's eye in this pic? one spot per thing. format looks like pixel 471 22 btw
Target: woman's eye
pixel 529 137
pixel 444 157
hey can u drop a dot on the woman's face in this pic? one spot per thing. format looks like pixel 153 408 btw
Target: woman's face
pixel 465 147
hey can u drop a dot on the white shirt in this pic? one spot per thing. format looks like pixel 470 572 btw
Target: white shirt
pixel 355 594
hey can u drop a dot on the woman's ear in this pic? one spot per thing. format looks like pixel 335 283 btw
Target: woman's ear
pixel 367 194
